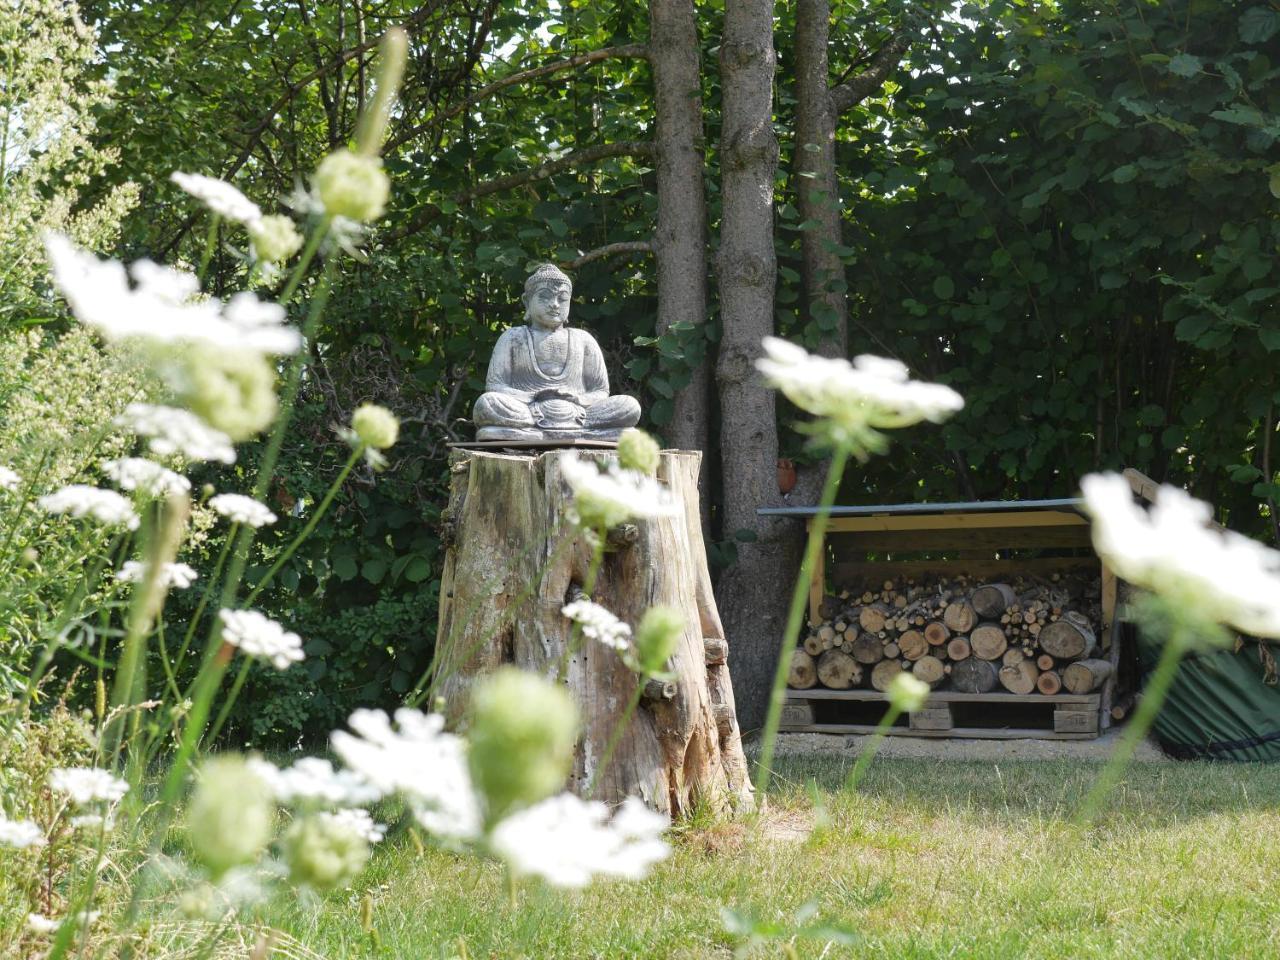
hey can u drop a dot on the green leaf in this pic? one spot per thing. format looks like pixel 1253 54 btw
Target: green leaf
pixel 1124 174
pixel 745 535
pixel 943 287
pixel 417 570
pixel 661 387
pixel 1270 337
pixel 374 569
pixel 345 567
pixel 1259 24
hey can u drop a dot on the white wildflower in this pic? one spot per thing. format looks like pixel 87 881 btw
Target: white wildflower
pixel 870 392
pixel 9 480
pixel 85 785
pixel 599 624
pixel 608 498
pixel 80 500
pixel 172 575
pixel 20 833
pixel 418 759
pixel 568 841
pixel 138 473
pixel 907 693
pixel 314 780
pixel 93 821
pixel 259 636
pixel 162 304
pixel 1173 550
pixel 219 196
pixel 173 431
pixel 241 509
pixel 358 822
pixel 39 923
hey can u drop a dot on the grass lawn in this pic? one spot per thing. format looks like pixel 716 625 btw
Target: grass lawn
pixel 927 859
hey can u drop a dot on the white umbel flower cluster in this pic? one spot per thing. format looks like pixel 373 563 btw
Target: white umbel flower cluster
pixel 162 304
pixel 416 758
pixel 80 500
pixel 171 430
pixel 259 636
pixel 599 624
pixel 177 576
pixel 238 508
pixel 219 196
pixel 147 476
pixel 1174 550
pixel 613 496
pixel 20 834
pixel 869 392
pixel 86 785
pixel 313 780
pixel 9 480
pixel 358 822
pixel 568 841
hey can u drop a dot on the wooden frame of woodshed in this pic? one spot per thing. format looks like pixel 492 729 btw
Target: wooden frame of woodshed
pixel 977 539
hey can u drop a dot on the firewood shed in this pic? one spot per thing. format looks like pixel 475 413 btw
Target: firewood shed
pixel 1002 607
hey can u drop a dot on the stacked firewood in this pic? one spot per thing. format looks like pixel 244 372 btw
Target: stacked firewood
pixel 1025 636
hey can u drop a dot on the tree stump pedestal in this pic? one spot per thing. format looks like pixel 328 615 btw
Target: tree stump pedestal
pixel 513 559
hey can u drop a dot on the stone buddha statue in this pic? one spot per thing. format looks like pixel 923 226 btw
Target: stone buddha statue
pixel 547 380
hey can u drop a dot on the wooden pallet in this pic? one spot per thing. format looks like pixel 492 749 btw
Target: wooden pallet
pixel 1065 716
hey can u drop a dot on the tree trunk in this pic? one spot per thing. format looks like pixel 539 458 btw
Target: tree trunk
pixel 754 590
pixel 991 600
pixel 1070 638
pixel 803 674
pixel 838 670
pixel 1019 677
pixel 972 675
pixel 817 191
pixel 988 641
pixel 680 243
pixel 1085 676
pixel 929 669
pixel 508 570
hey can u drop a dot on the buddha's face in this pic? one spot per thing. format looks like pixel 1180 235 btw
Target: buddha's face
pixel 548 306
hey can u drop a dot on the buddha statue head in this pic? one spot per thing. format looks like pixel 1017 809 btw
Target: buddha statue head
pixel 546 297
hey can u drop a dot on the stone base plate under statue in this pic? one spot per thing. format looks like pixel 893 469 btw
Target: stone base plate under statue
pixel 545 443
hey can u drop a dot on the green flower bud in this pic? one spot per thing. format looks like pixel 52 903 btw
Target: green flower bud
pixel 274 238
pixel 231 390
pixel 375 426
pixel 656 637
pixel 323 853
pixel 353 186
pixel 231 814
pixel 638 451
pixel 907 693
pixel 522 734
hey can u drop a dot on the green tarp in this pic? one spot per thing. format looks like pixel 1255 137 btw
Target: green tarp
pixel 1220 706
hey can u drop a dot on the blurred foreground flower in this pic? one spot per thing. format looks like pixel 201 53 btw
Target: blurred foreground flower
pixel 657 635
pixel 20 833
pixel 219 196
pixel 231 814
pixel 172 575
pixel 259 636
pixel 274 238
pixel 599 624
pixel 607 498
pixel 568 841
pixel 175 431
pixel 9 480
pixel 86 785
pixel 79 500
pixel 145 476
pixel 313 780
pixel 324 852
pixel 1210 574
pixel 638 451
pixel 856 399
pixel 907 693
pixel 238 508
pixel 352 185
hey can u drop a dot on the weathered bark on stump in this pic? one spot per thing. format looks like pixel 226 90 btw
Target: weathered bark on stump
pixel 512 563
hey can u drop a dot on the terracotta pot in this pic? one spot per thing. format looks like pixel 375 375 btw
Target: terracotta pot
pixel 786 475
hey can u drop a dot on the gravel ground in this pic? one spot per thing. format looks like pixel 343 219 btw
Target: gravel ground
pixel 960 749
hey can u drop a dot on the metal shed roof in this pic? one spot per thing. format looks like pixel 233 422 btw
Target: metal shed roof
pixel 888 509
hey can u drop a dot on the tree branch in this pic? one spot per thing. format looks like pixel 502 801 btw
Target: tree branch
pixel 604 53
pixel 858 88
pixel 608 250
pixel 549 168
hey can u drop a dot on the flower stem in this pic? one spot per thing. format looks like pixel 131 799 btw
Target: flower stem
pixel 311 525
pixel 795 616
pixel 204 598
pixel 230 700
pixel 873 745
pixel 1153 696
